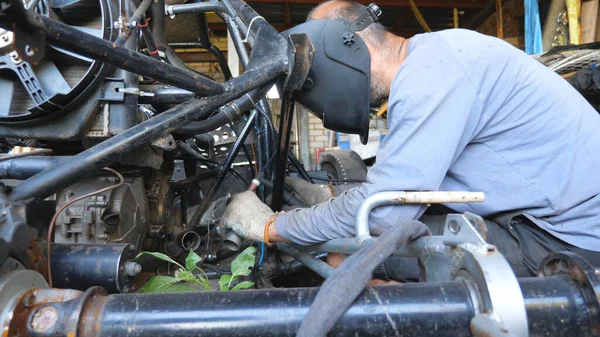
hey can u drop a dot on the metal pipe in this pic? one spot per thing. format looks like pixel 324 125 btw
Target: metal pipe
pixel 23 168
pixel 48 182
pixel 139 12
pixel 308 260
pixel 198 7
pixel 241 138
pixel 555 307
pixel 285 127
pixel 71 39
pixel 164 94
pixel 401 197
pixel 157 24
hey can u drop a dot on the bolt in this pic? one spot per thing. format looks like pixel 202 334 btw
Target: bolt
pixel 132 268
pixel 44 318
pixel 454 226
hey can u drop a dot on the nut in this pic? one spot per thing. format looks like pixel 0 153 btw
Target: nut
pixel 44 318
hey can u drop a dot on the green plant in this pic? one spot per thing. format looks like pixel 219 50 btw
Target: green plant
pixel 184 278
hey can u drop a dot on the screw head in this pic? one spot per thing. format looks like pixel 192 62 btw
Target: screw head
pixel 44 318
pixel 453 226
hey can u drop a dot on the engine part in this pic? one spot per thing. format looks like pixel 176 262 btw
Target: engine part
pixel 15 235
pixel 115 216
pixel 345 166
pixel 557 304
pixel 180 241
pixel 80 266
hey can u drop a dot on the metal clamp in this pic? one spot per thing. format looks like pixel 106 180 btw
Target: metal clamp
pixel 494 288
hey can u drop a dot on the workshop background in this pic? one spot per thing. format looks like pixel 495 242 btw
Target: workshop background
pixel 530 25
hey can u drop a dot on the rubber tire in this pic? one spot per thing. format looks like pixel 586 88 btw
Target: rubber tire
pixel 344 165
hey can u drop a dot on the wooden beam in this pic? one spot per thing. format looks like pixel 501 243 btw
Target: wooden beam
pixel 287 17
pixel 499 24
pixel 589 17
pixel 480 17
pixel 394 3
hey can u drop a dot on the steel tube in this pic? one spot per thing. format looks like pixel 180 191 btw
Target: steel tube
pixel 26 167
pixel 555 307
pixel 198 7
pixel 71 39
pixel 164 94
pixel 140 12
pixel 48 182
pixel 285 128
pixel 443 308
pixel 308 260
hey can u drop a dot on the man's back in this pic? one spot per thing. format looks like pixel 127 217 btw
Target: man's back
pixel 536 146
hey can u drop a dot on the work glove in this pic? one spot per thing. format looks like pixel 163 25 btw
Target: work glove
pixel 248 217
pixel 307 193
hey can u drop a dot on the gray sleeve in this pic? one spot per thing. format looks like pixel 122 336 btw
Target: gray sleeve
pixel 434 111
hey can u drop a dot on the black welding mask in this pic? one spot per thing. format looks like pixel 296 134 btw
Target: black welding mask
pixel 337 89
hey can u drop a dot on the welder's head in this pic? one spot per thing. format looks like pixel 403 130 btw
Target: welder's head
pixel 341 86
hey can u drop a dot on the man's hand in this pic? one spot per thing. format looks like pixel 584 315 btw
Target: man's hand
pixel 247 216
pixel 307 193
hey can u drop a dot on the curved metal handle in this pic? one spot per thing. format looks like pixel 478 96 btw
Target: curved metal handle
pixel 403 197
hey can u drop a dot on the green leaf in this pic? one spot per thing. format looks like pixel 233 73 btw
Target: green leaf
pixel 224 282
pixel 179 288
pixel 243 285
pixel 241 265
pixel 159 256
pixel 192 260
pixel 158 284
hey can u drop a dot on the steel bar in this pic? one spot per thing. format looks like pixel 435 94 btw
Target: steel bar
pixel 308 260
pixel 285 127
pixel 227 163
pixel 23 168
pixel 164 94
pixel 48 182
pixel 140 12
pixel 198 7
pixel 400 197
pixel 71 39
pixel 556 306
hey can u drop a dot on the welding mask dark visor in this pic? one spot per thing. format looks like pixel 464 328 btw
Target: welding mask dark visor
pixel 337 89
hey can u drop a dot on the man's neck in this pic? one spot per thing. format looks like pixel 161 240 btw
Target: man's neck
pixel 396 52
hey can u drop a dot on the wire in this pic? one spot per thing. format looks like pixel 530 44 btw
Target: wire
pixel 25 154
pixel 69 203
pixel 262 253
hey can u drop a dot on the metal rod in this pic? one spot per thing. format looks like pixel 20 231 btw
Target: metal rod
pixel 308 260
pixel 299 167
pixel 164 94
pixel 140 12
pixel 48 182
pixel 401 197
pixel 23 168
pixel 235 149
pixel 285 127
pixel 71 39
pixel 198 7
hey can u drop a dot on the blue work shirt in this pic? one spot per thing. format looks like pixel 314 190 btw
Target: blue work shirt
pixel 469 112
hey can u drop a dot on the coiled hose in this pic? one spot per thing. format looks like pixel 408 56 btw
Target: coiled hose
pixel 347 282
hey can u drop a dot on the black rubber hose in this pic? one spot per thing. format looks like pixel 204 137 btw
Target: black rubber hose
pixel 349 280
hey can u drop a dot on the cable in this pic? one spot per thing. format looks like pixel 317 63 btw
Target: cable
pixel 25 154
pixel 69 203
pixel 262 254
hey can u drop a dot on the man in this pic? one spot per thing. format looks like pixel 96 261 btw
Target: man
pixel 467 112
